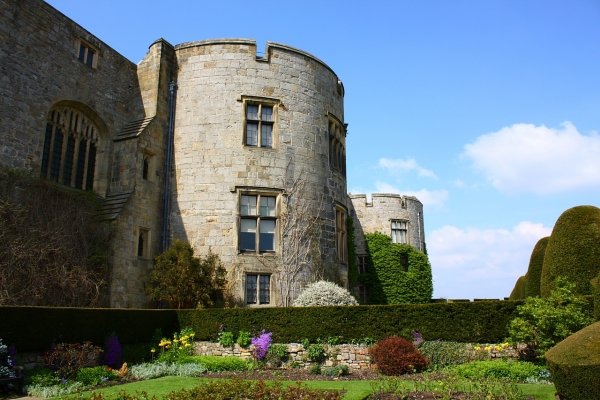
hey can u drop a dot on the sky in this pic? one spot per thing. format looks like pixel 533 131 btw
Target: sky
pixel 487 111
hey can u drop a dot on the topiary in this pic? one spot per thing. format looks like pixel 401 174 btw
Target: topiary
pixel 573 250
pixel 400 273
pixel 518 292
pixel 396 356
pixel 324 293
pixel 596 295
pixel 534 272
pixel 574 365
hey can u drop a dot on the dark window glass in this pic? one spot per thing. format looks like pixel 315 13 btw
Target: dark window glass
pixel 265 289
pixel 46 155
pixel 56 154
pixel 251 286
pixel 68 167
pixel 80 164
pixel 91 167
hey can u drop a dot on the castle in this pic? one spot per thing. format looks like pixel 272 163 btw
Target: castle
pixel 236 153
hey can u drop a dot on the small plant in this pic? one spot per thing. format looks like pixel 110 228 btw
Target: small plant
pixel 316 353
pixel 225 339
pixel 277 354
pixel 334 340
pixel 315 369
pixel 261 345
pixel 158 369
pixel 42 376
pixel 397 356
pixel 509 370
pixel 93 376
pixel 176 349
pixel 442 353
pixel 221 363
pixel 337 370
pixel 68 358
pixel 6 362
pixel 244 339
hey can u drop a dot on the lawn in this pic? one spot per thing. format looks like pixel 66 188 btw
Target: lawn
pixel 355 390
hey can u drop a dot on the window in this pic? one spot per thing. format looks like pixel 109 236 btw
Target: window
pixel 146 168
pixel 143 242
pixel 362 294
pixel 363 264
pixel 337 148
pixel 258 289
pixel 259 125
pixel 258 221
pixel 87 54
pixel 399 231
pixel 70 145
pixel 340 230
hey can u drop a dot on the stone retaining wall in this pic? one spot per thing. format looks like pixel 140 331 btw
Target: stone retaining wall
pixel 354 356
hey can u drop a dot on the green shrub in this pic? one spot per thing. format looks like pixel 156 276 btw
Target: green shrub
pixel 225 339
pixel 220 364
pixel 543 322
pixel 397 356
pixel 399 274
pixel 596 296
pixel 54 390
pixel 93 376
pixel 324 293
pixel 244 339
pixel 510 370
pixel 41 376
pixel 316 353
pixel 176 349
pixel 315 369
pixel 158 369
pixel 441 354
pixel 336 370
pixel 575 364
pixel 573 251
pixel 277 354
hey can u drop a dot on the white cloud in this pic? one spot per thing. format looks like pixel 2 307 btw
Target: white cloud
pixel 406 165
pixel 431 198
pixel 481 263
pixel 537 159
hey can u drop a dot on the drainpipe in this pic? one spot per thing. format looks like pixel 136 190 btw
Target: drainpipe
pixel 167 168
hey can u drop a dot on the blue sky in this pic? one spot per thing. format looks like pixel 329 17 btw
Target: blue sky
pixel 487 111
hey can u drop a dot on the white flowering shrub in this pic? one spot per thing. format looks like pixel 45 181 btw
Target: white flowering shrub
pixel 324 293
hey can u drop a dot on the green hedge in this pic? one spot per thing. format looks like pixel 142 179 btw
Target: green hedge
pixel 37 328
pixel 482 321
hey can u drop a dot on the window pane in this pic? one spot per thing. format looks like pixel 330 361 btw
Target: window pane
pixel 56 154
pixel 90 57
pixel 267 113
pixel 252 134
pixel 266 135
pixel 251 281
pixel 81 52
pixel 264 289
pixel 267 206
pixel 252 112
pixel 248 205
pixel 248 235
pixel 267 235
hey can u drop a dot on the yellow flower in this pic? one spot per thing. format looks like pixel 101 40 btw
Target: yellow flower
pixel 152 350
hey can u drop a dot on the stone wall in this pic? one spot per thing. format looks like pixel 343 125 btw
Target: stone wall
pixel 354 356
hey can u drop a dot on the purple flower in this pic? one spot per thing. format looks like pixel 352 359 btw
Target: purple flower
pixel 261 345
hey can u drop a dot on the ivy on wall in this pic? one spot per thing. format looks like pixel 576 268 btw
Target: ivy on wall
pixel 351 246
pixel 397 273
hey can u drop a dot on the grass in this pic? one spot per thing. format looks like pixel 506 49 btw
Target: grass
pixel 354 390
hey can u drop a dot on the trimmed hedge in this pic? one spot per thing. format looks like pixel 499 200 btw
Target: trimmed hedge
pixel 596 296
pixel 518 292
pixel 482 321
pixel 574 364
pixel 573 250
pixel 37 328
pixel 534 272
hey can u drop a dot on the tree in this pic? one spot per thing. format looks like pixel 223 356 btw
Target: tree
pixel 185 281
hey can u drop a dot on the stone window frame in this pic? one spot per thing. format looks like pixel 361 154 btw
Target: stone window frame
pixel 71 148
pixel 399 230
pixel 143 243
pixel 148 168
pixel 341 245
pixel 274 122
pixel 260 292
pixel 87 53
pixel 336 131
pixel 258 193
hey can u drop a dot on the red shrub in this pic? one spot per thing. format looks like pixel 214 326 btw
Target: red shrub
pixel 397 356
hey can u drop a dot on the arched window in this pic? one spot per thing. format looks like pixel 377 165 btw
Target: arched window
pixel 70 146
